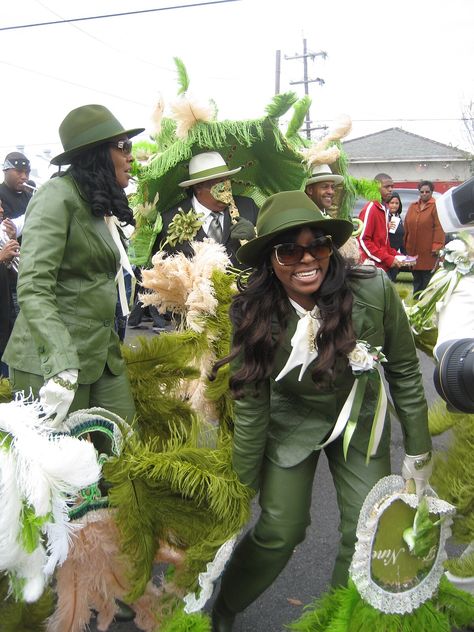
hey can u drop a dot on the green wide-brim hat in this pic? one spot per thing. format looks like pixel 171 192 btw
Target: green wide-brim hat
pixel 285 211
pixel 88 126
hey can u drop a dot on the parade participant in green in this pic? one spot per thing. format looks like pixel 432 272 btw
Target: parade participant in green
pixel 63 345
pixel 309 336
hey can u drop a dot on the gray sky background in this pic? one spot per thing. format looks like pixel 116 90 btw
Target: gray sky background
pixel 407 63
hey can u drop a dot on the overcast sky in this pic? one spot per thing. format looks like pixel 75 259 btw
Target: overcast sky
pixel 407 63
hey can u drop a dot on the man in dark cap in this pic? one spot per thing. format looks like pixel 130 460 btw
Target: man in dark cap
pixel 14 197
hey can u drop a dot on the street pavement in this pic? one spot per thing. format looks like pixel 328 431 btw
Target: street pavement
pixel 308 573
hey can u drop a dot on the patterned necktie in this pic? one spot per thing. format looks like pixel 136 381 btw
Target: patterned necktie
pixel 215 228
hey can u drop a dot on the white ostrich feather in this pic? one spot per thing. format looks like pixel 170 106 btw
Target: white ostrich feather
pixel 13 557
pixel 187 112
pixel 10 509
pixel 38 470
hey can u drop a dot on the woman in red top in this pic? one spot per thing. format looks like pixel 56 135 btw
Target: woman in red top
pixel 423 235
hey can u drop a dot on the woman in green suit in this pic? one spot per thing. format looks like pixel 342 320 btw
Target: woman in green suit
pixel 63 346
pixel 306 331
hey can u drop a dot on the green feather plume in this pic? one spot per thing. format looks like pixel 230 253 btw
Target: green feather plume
pixel 441 419
pixel 182 622
pixel 462 566
pixel 367 189
pixel 163 360
pixel 18 616
pixel 300 110
pixel 219 330
pixel 343 610
pixel 453 478
pixel 167 135
pixel 178 492
pixel 183 78
pixel 426 340
pixel 280 104
pixel 6 394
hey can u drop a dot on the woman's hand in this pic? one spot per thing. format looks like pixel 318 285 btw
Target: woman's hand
pixel 57 395
pixel 418 468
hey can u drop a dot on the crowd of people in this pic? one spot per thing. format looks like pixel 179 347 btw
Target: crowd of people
pixel 298 319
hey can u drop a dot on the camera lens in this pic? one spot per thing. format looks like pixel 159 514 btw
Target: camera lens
pixel 454 375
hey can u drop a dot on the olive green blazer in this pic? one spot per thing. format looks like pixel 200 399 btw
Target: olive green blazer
pixel 66 288
pixel 286 420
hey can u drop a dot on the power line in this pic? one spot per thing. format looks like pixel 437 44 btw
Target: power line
pixel 114 15
pixel 74 83
pixel 404 120
pixel 106 44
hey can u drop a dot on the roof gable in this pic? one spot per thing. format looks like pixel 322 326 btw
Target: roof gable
pixel 395 144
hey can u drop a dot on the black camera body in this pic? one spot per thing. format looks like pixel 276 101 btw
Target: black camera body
pixel 454 350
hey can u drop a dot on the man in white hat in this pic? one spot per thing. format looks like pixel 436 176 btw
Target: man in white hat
pixel 226 218
pixel 321 186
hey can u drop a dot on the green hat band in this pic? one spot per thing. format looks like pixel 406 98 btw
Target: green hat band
pixel 214 171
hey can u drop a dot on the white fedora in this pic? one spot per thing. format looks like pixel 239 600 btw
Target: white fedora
pixel 323 173
pixel 207 166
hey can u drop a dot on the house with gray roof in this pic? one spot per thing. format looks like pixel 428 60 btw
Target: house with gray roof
pixel 408 158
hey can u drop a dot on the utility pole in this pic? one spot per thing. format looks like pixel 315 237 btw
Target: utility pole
pixel 307 81
pixel 277 71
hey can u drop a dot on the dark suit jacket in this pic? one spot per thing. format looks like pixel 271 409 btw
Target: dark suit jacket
pixel 247 209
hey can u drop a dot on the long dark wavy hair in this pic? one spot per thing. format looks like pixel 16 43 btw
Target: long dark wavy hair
pixel 94 172
pixel 260 313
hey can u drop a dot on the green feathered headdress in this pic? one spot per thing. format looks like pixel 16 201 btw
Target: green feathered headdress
pixel 269 164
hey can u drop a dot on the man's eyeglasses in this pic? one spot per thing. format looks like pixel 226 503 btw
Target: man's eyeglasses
pixel 290 254
pixel 125 146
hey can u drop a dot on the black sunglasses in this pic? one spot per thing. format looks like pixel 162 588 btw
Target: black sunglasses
pixel 290 254
pixel 125 146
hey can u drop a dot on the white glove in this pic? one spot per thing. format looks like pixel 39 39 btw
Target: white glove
pixel 418 468
pixel 57 394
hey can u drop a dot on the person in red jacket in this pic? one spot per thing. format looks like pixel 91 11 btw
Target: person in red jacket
pixel 374 244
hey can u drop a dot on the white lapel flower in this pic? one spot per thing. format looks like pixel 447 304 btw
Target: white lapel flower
pixel 364 357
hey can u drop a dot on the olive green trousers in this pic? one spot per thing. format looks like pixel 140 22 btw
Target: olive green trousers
pixel 285 501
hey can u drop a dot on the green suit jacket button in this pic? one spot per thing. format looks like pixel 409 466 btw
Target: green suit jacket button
pixel 47 370
pixel 107 323
pixel 110 275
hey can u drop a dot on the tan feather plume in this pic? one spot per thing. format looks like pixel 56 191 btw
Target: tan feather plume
pixel 341 128
pixel 187 112
pixel 157 115
pixel 93 576
pixel 320 153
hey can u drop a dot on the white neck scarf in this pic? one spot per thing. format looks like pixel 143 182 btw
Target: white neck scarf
pixel 303 343
pixel 111 223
